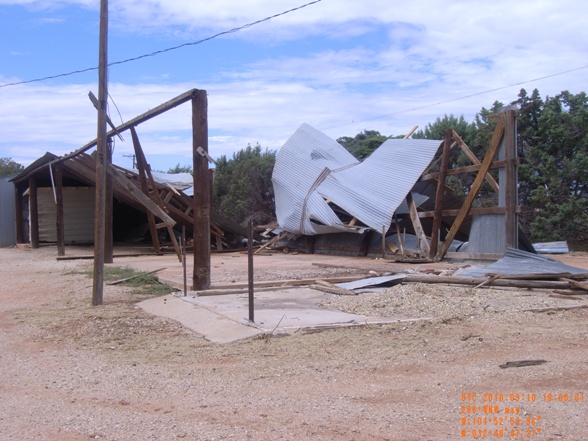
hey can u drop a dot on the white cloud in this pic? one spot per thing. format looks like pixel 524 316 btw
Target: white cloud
pixel 422 53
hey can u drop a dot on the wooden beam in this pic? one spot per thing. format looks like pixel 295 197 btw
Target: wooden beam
pixel 162 108
pixel 201 234
pixel 416 223
pixel 454 213
pixel 101 160
pixel 494 143
pixel 33 213
pixel 511 199
pixel 59 217
pixel 464 147
pixel 139 196
pixel 145 188
pixel 462 170
pixel 439 194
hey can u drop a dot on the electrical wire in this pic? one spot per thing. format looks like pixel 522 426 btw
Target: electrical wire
pixel 152 54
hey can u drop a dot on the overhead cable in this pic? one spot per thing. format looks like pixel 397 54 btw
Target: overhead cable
pixel 152 54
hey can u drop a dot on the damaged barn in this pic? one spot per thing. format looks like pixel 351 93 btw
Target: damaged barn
pixel 392 204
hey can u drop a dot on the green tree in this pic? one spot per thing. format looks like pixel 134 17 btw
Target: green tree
pixel 8 167
pixel 243 189
pixel 363 144
pixel 467 132
pixel 555 170
pixel 180 169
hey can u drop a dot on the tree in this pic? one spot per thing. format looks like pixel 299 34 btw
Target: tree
pixel 467 132
pixel 8 167
pixel 180 169
pixel 554 174
pixel 243 189
pixel 363 144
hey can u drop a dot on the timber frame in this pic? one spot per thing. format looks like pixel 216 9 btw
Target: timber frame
pixel 451 220
pixel 160 202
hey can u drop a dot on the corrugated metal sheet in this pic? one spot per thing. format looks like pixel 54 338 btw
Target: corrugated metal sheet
pixel 7 213
pixel 312 168
pixel 78 210
pixel 521 262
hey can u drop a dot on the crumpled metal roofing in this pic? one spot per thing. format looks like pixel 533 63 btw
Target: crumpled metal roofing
pixel 312 168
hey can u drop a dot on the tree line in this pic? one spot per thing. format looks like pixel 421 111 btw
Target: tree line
pixel 553 175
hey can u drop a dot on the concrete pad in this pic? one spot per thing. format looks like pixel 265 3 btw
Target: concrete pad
pixel 287 309
pixel 213 326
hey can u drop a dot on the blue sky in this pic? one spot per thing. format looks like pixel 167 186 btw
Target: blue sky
pixel 341 66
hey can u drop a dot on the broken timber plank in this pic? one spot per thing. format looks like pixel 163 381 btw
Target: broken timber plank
pixel 327 287
pixel 416 223
pixel 453 280
pixel 575 283
pixel 139 196
pixel 522 363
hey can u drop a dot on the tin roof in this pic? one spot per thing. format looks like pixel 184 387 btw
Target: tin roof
pixel 314 175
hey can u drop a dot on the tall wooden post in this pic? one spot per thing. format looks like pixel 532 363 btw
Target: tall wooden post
pixel 101 158
pixel 108 200
pixel 201 273
pixel 59 221
pixel 439 194
pixel 511 196
pixel 33 213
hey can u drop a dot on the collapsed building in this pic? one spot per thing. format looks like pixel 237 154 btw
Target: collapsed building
pixel 391 203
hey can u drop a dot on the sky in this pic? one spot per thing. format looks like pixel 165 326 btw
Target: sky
pixel 342 66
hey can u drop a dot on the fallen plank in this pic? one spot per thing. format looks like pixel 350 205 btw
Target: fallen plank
pixel 570 292
pixel 522 363
pixel 555 308
pixel 539 276
pixel 332 289
pixel 575 283
pixel 454 280
pixel 89 257
pixel 289 283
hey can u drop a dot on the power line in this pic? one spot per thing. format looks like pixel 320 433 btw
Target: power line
pixel 486 91
pixel 152 54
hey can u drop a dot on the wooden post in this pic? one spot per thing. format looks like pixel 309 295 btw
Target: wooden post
pixel 33 213
pixel 59 221
pixel 201 273
pixel 101 159
pixel 511 199
pixel 440 192
pixel 108 200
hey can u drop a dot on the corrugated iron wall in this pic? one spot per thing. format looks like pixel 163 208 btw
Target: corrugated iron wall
pixel 7 214
pixel 78 211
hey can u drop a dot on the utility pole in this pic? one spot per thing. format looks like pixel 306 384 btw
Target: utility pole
pixel 101 159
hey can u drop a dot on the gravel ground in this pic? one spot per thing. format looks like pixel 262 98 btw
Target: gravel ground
pixel 70 371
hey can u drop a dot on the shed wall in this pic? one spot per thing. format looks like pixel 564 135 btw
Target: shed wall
pixel 7 214
pixel 78 213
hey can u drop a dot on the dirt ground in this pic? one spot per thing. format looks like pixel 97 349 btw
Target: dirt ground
pixel 70 371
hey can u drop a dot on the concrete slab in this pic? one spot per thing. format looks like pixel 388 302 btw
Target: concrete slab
pixel 213 326
pixel 224 318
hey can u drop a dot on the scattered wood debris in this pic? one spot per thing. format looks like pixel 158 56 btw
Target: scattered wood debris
pixel 522 363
